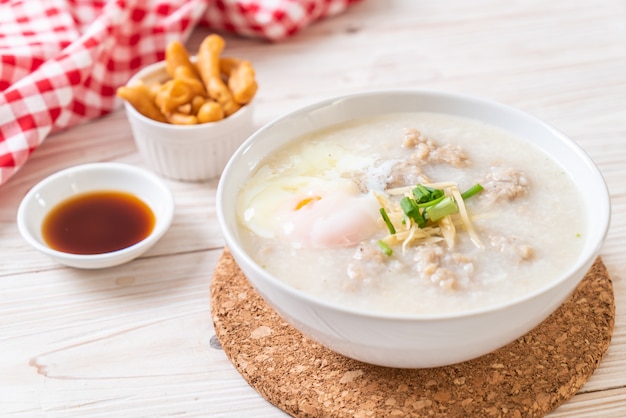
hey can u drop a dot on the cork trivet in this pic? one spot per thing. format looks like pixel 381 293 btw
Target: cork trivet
pixel 527 378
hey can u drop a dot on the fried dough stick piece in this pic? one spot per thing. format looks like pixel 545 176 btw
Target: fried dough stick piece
pixel 139 96
pixel 179 66
pixel 241 79
pixel 176 56
pixel 209 68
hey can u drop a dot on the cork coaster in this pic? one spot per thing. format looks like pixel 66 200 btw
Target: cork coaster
pixel 527 378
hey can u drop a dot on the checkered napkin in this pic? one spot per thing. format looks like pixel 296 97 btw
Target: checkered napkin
pixel 62 60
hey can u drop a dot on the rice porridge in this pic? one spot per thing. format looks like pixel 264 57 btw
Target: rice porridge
pixel 412 213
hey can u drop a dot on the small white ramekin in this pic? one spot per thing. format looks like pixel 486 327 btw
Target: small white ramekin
pixel 91 177
pixel 186 152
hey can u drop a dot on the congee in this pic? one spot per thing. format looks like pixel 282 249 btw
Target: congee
pixel 412 213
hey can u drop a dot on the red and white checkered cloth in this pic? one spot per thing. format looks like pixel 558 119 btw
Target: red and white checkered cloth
pixel 62 60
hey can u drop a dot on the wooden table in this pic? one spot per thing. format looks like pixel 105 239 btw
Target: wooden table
pixel 136 340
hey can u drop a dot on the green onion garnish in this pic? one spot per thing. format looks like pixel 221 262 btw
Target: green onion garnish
pixel 425 194
pixel 390 227
pixel 477 188
pixel 422 194
pixel 431 202
pixel 409 207
pixel 444 208
pixel 427 206
pixel 437 193
pixel 385 248
pixel 412 210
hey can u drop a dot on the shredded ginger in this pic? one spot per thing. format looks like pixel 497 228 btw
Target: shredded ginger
pixel 409 233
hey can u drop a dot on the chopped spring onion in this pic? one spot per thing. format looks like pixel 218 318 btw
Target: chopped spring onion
pixel 390 227
pixel 477 188
pixel 444 208
pixel 432 202
pixel 412 210
pixel 385 248
pixel 424 211
pixel 422 194
pixel 425 194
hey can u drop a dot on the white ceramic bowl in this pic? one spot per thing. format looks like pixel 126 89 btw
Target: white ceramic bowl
pixel 413 341
pixel 186 152
pixel 72 181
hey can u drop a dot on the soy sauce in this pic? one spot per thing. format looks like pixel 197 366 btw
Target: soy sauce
pixel 97 222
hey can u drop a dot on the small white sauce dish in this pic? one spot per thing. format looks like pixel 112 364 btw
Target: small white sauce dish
pixel 413 340
pixel 93 177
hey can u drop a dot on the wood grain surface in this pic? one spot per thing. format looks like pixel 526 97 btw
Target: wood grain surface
pixel 137 340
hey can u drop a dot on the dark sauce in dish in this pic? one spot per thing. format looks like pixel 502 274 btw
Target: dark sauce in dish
pixel 97 222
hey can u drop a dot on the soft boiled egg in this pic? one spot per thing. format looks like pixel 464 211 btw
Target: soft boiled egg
pixel 310 211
